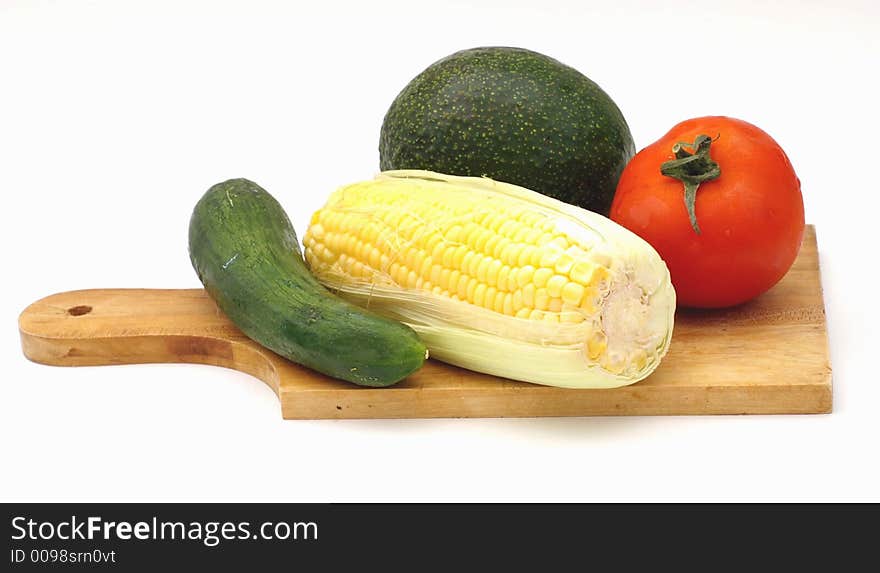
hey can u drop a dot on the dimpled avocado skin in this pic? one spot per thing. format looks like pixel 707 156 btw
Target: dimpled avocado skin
pixel 513 115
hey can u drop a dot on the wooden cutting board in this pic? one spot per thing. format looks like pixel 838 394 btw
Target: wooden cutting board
pixel 769 356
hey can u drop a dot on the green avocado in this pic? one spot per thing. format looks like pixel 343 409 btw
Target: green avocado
pixel 513 115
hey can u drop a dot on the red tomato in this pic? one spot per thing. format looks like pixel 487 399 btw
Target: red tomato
pixel 750 217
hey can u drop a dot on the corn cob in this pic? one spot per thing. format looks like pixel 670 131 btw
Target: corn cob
pixel 498 279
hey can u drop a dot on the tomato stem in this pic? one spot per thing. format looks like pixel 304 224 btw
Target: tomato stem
pixel 692 169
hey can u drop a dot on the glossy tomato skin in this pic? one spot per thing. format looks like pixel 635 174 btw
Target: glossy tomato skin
pixel 751 216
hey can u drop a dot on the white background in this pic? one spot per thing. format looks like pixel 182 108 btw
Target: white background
pixel 116 116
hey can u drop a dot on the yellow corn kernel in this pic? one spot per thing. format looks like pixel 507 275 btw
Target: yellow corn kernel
pixel 533 236
pixel 374 258
pixel 461 286
pixel 406 257
pixel 555 284
pixel 542 299
pixel 326 255
pixel 549 258
pixel 528 295
pixel 526 255
pixel 454 234
pixel 577 251
pixel 582 272
pixel 473 266
pixel 483 269
pixel 466 261
pixel 489 249
pixel 596 344
pixel 402 275
pixel 507 228
pixel 564 263
pixel 521 233
pixel 435 274
pixel 406 227
pixel 431 242
pixel 523 312
pixel 560 242
pixel 502 277
pixel 517 300
pixel 502 244
pixel 311 257
pixel 438 251
pixel 452 284
pixel 480 245
pixel 448 257
pixel 510 253
pixel 492 273
pixel 571 316
pixel 499 302
pixel 444 279
pixel 479 293
pixel 489 298
pixel 500 219
pixel 524 275
pixel 351 245
pixel 458 256
pixel 469 290
pixel 588 305
pixel 471 231
pixel 513 279
pixel 541 277
pixel 507 307
pixel 316 230
pixel 362 251
pixel 425 267
pixel 373 230
pixel 572 293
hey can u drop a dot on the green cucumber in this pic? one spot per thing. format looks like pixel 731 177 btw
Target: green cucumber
pixel 245 251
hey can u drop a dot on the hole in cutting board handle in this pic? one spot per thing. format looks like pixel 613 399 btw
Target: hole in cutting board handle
pixel 79 310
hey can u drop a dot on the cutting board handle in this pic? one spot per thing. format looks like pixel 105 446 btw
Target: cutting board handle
pixel 138 326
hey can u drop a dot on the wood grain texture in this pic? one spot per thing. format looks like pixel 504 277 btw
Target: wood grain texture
pixel 769 356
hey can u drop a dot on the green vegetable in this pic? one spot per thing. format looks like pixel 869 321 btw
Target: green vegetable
pixel 515 116
pixel 245 251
